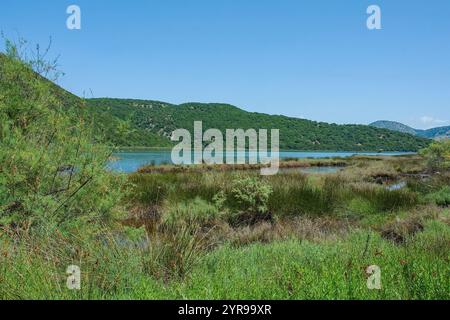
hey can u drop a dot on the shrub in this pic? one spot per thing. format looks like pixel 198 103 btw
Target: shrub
pixel 296 199
pixel 251 195
pixel 430 184
pixel 196 211
pixel 333 193
pixel 438 155
pixel 294 194
pixel 52 171
pixel 246 202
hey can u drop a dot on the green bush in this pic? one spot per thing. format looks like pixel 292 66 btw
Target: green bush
pixel 197 211
pixel 333 193
pixel 151 189
pixel 250 195
pixel 52 171
pixel 245 201
pixel 294 194
pixel 438 155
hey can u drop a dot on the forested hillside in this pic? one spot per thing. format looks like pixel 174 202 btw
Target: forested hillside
pixel 295 134
pixel 143 123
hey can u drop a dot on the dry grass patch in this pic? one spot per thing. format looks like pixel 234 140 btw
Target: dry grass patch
pixel 303 228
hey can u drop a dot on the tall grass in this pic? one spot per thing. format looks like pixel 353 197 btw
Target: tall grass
pixel 173 254
pixel 288 269
pixel 290 194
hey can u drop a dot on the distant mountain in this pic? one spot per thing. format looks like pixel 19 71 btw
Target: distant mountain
pixel 394 126
pixel 295 134
pixel 434 133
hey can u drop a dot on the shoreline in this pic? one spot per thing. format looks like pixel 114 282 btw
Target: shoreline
pixel 132 149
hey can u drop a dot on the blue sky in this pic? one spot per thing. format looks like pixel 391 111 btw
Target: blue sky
pixel 313 59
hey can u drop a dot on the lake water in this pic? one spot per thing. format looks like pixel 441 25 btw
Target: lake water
pixel 397 186
pixel 131 161
pixel 323 170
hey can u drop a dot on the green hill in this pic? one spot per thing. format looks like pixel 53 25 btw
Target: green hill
pixel 143 123
pixel 108 128
pixel 295 134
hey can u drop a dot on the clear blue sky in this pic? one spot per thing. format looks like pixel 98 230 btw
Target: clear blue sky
pixel 313 59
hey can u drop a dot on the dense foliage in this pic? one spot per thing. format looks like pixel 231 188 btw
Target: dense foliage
pixel 438 155
pixel 51 170
pixel 295 134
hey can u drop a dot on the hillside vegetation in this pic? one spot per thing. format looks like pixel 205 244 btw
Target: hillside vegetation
pixel 143 123
pixel 295 134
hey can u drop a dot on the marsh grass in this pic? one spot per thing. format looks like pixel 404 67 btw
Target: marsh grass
pixel 324 232
pixel 382 199
pixel 34 266
pixel 289 268
pixel 441 197
pixel 173 254
pixel 290 194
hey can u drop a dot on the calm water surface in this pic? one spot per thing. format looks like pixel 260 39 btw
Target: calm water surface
pixel 326 169
pixel 131 161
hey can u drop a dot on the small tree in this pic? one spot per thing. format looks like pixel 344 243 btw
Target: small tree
pixel 438 155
